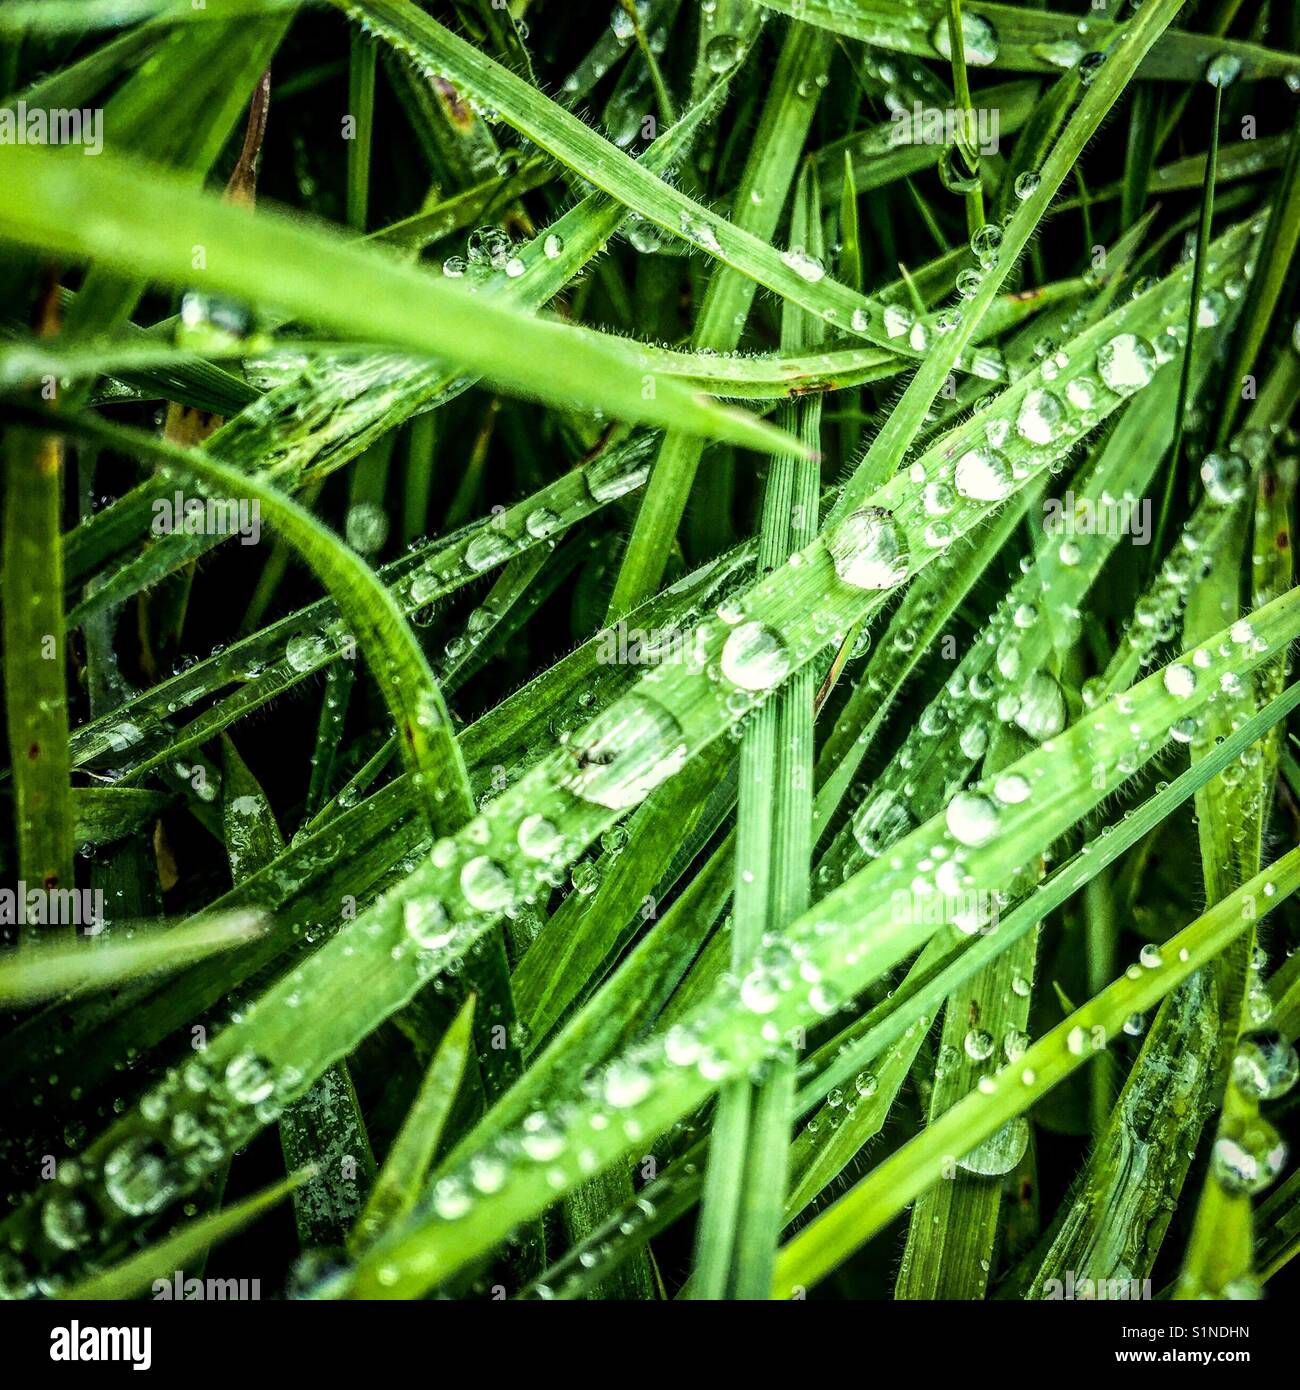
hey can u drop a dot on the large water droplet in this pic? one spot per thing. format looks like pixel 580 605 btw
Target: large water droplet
pixel 485 884
pixel 983 475
pixel 869 549
pixel 1039 420
pixel 754 657
pixel 972 819
pixel 625 752
pixel 1126 363
pixel 1248 1155
pixel 979 40
pixel 1265 1066
pixel 1000 1152
pixel 1041 711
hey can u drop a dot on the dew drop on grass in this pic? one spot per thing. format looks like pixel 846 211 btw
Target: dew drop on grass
pixel 136 1177
pixel 543 1141
pixel 1180 680
pixel 978 1044
pixel 983 475
pixel 538 837
pixel 1224 477
pixel 897 320
pixel 723 52
pixel 938 499
pixel 485 884
pixel 1126 363
pixel 248 1079
pixel 869 549
pixel 488 549
pixel 1081 392
pixel 969 282
pixel 804 264
pixel 552 246
pixel 1248 1155
pixel 625 1085
pixel 985 245
pixel 1040 416
pixel 972 819
pixel 625 752
pixel 979 40
pixel 1000 1152
pixel 754 657
pixel 1011 789
pixel 366 527
pixel 1265 1066
pixel 1026 185
pixel 541 522
pixel 426 922
pixel 1041 711
pixel 610 478
pixel 881 821
pixel 1223 70
pixel 644 236
pixel 306 651
pixel 63 1221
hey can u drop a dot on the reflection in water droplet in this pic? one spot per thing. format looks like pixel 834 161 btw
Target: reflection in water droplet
pixel 869 549
pixel 625 752
pixel 754 657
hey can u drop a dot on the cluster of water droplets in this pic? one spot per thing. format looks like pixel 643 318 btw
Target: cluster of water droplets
pixel 488 251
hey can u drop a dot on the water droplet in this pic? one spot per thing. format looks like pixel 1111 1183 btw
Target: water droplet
pixel 1041 711
pixel 366 527
pixel 972 819
pixel 552 246
pixel 136 1176
pixel 897 320
pixel 1062 53
pixel 63 1219
pixel 625 752
pixel 985 245
pixel 804 264
pixel 723 52
pixel 485 884
pixel 1224 476
pixel 541 522
pixel 426 923
pixel 1126 363
pixel 979 40
pixel 1040 416
pixel 488 548
pixel 538 837
pixel 248 1078
pixel 754 657
pixel 306 651
pixel 1026 185
pixel 1011 789
pixel 1223 70
pixel 1000 1152
pixel 1265 1066
pixel 1248 1155
pixel 983 475
pixel 869 549
pixel 1180 680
